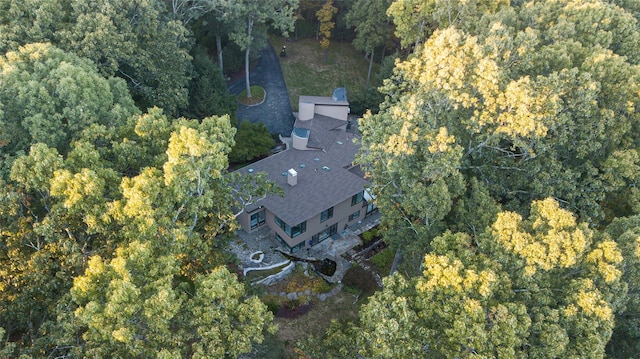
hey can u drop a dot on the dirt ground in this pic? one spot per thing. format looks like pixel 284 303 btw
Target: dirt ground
pixel 317 320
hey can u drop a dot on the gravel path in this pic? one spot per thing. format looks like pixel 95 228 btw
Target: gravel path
pixel 275 112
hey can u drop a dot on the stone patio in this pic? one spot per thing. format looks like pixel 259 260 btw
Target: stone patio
pixel 333 248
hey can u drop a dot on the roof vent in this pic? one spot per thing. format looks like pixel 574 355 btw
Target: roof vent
pixel 292 177
pixel 250 170
pixel 339 142
pixel 316 159
pixel 326 168
pixel 302 165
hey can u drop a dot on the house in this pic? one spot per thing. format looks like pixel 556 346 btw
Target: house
pixel 324 192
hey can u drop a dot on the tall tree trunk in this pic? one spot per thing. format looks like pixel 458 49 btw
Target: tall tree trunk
pixel 246 57
pixel 219 48
pixel 370 66
pixel 422 23
pixel 396 261
pixel 246 72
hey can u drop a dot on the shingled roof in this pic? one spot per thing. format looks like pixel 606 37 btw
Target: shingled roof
pixel 326 174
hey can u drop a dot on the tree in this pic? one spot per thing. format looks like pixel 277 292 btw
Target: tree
pixel 50 96
pixel 208 94
pixel 624 231
pixel 415 20
pixel 546 286
pixel 135 41
pixel 526 111
pixel 369 18
pixel 280 14
pixel 253 140
pixel 218 16
pixel 325 17
pixel 137 305
pixel 161 183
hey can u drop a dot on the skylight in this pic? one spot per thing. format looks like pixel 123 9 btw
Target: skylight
pixel 339 142
pixel 326 168
pixel 302 165
pixel 316 159
pixel 250 170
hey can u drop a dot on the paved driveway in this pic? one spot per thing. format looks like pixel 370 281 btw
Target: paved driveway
pixel 275 111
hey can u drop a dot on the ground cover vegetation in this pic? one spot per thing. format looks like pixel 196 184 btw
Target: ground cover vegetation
pixel 502 147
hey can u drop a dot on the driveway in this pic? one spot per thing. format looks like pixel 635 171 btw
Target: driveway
pixel 275 112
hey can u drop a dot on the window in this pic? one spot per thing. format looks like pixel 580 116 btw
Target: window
pixel 291 231
pixel 357 198
pixel 257 219
pixel 371 208
pixel 297 230
pixel 326 214
pixel 321 236
pixel 283 243
pixel 354 216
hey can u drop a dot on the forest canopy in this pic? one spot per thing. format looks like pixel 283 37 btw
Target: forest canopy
pixel 504 160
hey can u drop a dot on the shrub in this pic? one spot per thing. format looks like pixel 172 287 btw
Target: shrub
pixel 371 234
pixel 383 260
pixel 360 279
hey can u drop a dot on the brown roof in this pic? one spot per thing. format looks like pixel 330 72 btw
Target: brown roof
pixel 325 176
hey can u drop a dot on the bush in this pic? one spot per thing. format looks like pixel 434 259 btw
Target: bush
pixel 383 260
pixel 360 279
pixel 361 101
pixel 253 140
pixel 272 302
pixel 370 235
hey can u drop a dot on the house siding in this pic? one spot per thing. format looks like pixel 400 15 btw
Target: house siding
pixel 336 111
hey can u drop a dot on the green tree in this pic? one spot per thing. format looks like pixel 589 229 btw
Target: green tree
pixel 415 20
pixel 50 96
pixel 208 94
pixel 526 110
pixel 253 140
pixel 131 306
pixel 170 193
pixel 138 42
pixel 369 18
pixel 255 13
pixel 624 344
pixel 325 17
pixel 546 286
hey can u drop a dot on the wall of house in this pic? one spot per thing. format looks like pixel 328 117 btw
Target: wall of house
pixel 341 213
pixel 336 111
pixel 243 220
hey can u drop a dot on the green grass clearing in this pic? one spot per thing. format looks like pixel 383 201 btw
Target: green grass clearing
pixel 306 72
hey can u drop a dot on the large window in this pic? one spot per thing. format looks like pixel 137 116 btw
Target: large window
pixel 321 236
pixel 326 214
pixel 357 198
pixel 291 231
pixel 297 230
pixel 257 219
pixel 354 216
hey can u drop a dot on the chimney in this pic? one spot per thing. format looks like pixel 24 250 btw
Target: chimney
pixel 292 177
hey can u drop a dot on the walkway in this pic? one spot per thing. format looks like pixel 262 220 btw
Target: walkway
pixel 333 248
pixel 275 112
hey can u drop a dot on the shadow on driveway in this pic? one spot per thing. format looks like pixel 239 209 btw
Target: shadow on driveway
pixel 275 112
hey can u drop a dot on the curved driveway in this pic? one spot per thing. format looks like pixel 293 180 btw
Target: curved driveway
pixel 275 112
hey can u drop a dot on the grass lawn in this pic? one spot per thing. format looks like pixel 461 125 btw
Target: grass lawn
pixel 306 72
pixel 257 96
